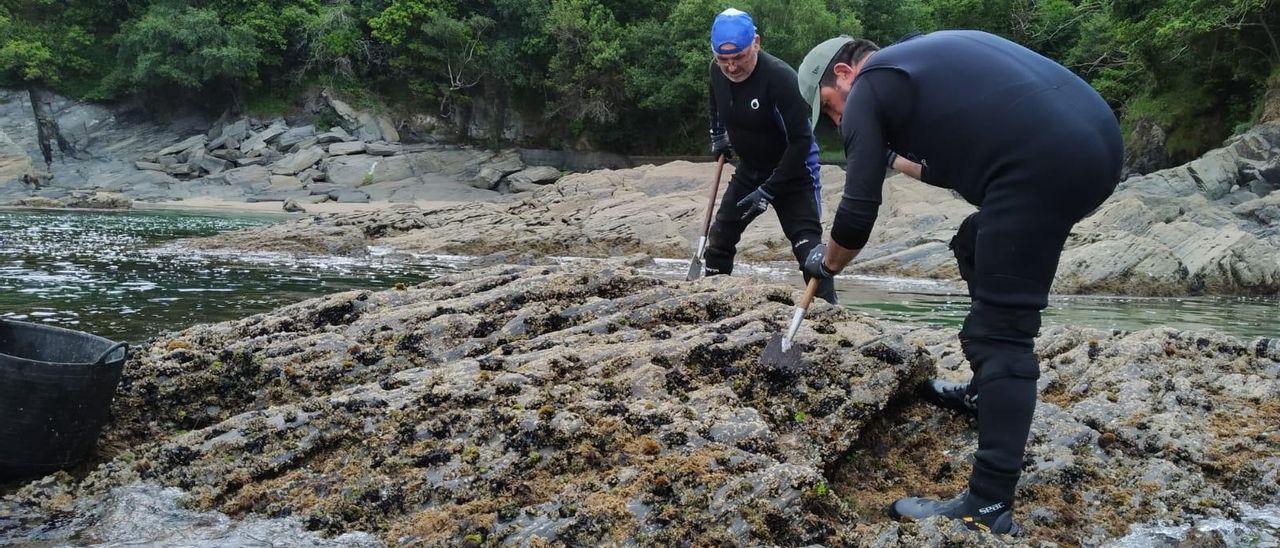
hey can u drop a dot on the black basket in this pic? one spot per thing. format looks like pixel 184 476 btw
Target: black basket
pixel 56 387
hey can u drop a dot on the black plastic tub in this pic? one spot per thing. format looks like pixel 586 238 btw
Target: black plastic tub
pixel 56 387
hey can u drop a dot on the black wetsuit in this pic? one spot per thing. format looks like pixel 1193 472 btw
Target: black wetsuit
pixel 768 125
pixel 1029 143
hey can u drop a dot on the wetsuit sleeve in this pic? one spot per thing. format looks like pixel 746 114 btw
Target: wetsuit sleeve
pixel 878 98
pixel 792 114
pixel 717 125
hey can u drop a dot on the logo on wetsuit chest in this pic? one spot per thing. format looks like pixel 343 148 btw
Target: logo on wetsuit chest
pixel 755 104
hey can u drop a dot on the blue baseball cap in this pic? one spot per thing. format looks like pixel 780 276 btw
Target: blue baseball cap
pixel 732 26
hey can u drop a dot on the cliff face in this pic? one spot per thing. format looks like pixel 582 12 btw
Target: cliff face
pixel 594 404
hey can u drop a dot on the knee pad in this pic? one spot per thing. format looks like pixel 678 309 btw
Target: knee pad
pixel 1016 326
pixel 992 361
pixel 1000 342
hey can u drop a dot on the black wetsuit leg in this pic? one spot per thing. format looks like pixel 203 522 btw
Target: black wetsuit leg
pixel 1009 252
pixel 799 214
pixel 728 225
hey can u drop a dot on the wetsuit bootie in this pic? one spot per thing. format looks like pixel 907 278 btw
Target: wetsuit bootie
pixel 976 514
pixel 950 395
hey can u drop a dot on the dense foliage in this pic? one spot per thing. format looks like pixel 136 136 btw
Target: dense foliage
pixel 615 74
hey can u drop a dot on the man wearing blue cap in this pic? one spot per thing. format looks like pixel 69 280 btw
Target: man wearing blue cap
pixel 757 111
pixel 1014 133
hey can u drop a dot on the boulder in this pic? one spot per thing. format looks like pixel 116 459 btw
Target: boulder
pixel 360 169
pixel 254 178
pixel 497 167
pixel 292 206
pixel 382 149
pixel 344 110
pixel 388 130
pixel 461 162
pixel 507 162
pixel 516 187
pixel 1264 210
pixel 194 158
pixel 487 178
pixel 238 131
pixel 537 175
pixel 298 161
pixel 294 136
pixel 334 135
pixel 148 166
pixel 229 154
pixel 304 144
pixel 179 169
pixel 367 128
pixel 344 148
pixel 259 140
pixel 213 165
pixel 1264 178
pixel 308 175
pixel 184 146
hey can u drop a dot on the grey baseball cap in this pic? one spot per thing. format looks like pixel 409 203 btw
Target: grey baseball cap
pixel 810 73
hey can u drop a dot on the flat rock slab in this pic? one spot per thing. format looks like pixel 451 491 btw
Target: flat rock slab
pixel 298 161
pixel 342 148
pixel 491 402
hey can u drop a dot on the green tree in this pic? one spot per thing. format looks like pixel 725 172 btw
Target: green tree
pixel 586 72
pixel 440 50
pixel 336 42
pixel 42 44
pixel 185 47
pixel 1203 65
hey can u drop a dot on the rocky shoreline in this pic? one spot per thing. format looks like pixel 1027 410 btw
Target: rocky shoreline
pixel 1209 227
pixel 118 160
pixel 594 404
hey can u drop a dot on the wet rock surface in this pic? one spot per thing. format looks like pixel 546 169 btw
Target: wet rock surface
pixel 593 404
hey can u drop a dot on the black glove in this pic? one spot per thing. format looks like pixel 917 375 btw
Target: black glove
pixel 813 263
pixel 756 202
pixel 720 144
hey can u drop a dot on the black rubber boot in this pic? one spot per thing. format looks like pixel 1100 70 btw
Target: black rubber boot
pixel 976 514
pixel 950 395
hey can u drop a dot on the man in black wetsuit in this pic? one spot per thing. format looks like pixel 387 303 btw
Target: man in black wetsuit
pixel 1019 136
pixel 757 111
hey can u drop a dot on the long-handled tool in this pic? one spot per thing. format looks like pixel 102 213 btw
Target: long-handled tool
pixel 695 265
pixel 777 353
